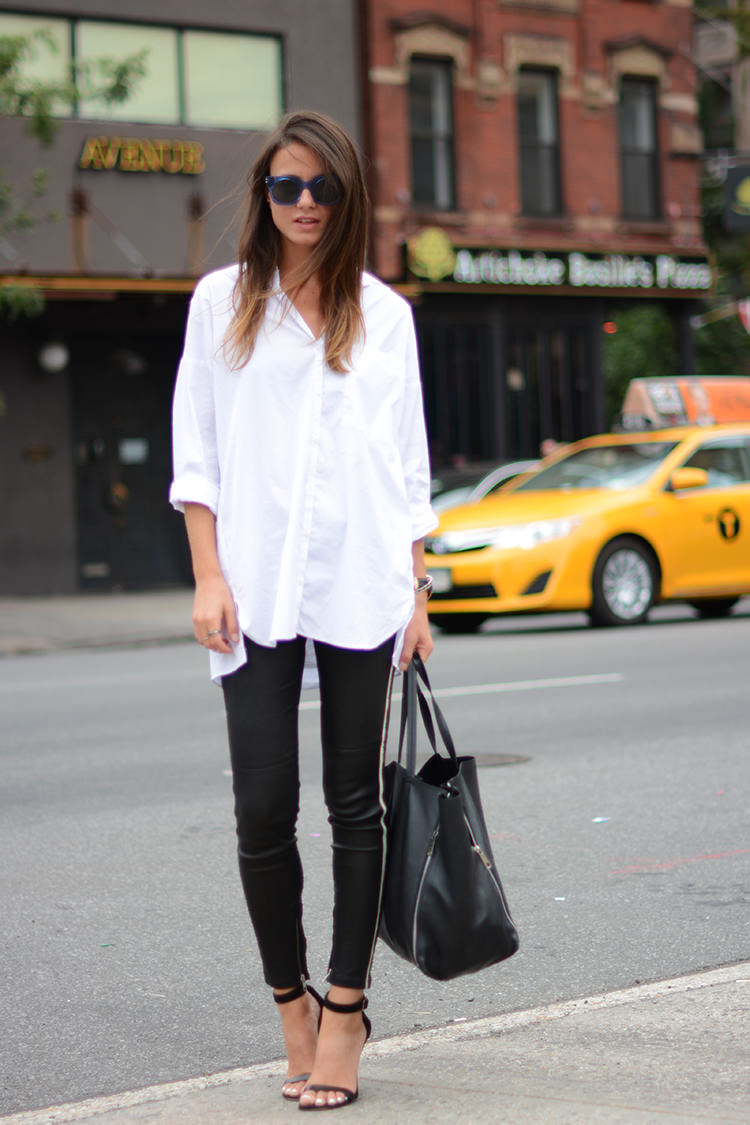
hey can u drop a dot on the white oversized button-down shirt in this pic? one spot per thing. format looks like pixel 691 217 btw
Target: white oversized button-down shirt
pixel 319 481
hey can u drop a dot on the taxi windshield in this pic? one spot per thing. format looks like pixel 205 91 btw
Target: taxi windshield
pixel 601 466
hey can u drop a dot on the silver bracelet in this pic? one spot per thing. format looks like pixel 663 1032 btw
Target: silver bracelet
pixel 423 585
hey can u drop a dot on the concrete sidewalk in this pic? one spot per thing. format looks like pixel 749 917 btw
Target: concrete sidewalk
pixel 674 1051
pixel 91 620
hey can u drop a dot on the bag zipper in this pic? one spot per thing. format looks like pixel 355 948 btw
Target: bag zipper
pixel 488 865
pixel 422 877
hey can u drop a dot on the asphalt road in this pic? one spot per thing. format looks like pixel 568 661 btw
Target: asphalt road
pixel 621 833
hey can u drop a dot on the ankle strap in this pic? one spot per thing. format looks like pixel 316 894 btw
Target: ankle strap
pixel 344 1009
pixel 293 994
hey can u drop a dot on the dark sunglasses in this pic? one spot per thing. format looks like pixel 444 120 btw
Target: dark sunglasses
pixel 286 190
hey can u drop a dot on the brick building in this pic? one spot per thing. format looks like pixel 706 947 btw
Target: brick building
pixel 534 170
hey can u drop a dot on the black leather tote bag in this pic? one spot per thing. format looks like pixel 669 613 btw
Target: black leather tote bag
pixel 444 908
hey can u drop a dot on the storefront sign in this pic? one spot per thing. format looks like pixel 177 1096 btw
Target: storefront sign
pixel 134 154
pixel 433 257
pixel 737 198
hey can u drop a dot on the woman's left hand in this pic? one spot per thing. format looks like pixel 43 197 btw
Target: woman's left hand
pixel 418 637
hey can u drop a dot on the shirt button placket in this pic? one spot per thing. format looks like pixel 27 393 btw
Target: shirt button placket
pixel 311 480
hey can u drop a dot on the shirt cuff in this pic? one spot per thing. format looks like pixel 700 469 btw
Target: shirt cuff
pixel 423 521
pixel 193 489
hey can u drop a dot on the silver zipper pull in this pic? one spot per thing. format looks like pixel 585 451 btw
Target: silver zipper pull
pixel 484 859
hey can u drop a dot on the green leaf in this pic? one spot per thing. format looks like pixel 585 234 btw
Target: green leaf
pixel 20 300
pixel 38 102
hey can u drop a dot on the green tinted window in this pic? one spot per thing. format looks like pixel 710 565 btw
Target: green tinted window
pixel 155 97
pixel 202 78
pixel 231 80
pixel 48 56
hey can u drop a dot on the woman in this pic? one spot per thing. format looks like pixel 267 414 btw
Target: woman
pixel 301 468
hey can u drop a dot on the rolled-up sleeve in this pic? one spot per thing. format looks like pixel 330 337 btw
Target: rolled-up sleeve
pixel 412 438
pixel 194 445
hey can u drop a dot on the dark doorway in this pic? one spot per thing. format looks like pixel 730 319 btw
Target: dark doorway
pixel 128 537
pixel 502 374
pixel 550 386
pixel 455 360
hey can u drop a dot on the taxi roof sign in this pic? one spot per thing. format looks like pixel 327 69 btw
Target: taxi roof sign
pixel 685 400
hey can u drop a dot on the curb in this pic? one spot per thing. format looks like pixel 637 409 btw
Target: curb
pixel 487 1027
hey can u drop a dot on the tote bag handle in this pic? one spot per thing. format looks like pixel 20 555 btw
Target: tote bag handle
pixel 412 696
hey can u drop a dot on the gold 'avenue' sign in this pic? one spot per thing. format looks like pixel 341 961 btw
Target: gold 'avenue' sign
pixel 134 154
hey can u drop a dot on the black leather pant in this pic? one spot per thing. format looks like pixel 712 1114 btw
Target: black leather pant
pixel 261 701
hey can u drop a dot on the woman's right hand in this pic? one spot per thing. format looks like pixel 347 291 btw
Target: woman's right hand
pixel 214 615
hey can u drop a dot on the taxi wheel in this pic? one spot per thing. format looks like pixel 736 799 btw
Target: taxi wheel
pixel 709 608
pixel 458 622
pixel 624 583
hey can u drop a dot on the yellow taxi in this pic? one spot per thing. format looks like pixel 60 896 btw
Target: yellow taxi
pixel 611 525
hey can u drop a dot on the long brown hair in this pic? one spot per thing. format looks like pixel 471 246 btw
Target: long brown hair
pixel 338 259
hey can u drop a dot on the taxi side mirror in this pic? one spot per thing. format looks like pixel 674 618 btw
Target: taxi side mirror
pixel 685 478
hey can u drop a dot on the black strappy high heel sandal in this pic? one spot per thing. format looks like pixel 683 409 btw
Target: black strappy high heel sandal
pixel 349 1095
pixel 285 998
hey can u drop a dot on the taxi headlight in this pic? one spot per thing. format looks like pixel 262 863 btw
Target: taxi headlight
pixel 519 535
pixel 470 539
pixel 528 535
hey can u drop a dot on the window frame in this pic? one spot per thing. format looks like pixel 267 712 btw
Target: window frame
pixel 537 147
pixel 628 212
pixel 442 143
pixel 72 112
pixel 738 443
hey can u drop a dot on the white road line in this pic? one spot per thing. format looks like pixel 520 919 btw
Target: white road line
pixel 471 1029
pixel 534 685
pixel 509 686
pixel 128 679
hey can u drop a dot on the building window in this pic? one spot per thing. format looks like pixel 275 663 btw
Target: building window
pixel 716 112
pixel 48 58
pixel 250 69
pixel 156 95
pixel 431 128
pixel 200 78
pixel 539 142
pixel 639 149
